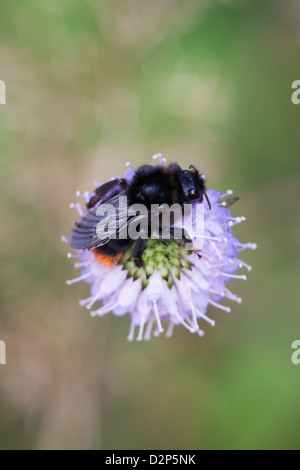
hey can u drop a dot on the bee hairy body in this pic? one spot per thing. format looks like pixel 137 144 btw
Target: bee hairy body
pixel 151 185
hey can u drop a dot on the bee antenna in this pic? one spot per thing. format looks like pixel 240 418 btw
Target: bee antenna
pixel 208 201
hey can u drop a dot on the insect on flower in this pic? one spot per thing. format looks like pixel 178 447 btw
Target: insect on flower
pixel 141 248
pixel 156 188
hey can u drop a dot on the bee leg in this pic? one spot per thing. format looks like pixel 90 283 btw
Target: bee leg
pixel 187 241
pixel 184 241
pixel 102 191
pixel 183 238
pixel 191 245
pixel 138 252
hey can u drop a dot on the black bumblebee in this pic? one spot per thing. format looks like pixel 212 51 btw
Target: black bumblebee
pixel 150 185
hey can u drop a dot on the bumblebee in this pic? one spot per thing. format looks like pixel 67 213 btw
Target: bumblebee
pixel 151 185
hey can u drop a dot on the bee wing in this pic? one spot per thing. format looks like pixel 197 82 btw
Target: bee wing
pixel 84 234
pixel 107 191
pixel 230 201
pixel 97 229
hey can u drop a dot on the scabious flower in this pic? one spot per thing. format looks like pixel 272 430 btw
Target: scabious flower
pixel 176 285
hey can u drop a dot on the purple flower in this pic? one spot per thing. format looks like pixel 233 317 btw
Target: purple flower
pixel 175 286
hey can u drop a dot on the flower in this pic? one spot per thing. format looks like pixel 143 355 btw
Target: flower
pixel 175 285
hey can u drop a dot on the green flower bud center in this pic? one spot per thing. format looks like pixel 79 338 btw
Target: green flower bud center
pixel 166 256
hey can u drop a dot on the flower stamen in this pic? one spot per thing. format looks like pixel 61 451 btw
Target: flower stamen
pixel 104 310
pixel 219 306
pixel 156 314
pixel 130 336
pixel 150 324
pixel 170 330
pixel 78 279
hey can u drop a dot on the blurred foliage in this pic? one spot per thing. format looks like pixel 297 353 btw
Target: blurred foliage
pixel 90 85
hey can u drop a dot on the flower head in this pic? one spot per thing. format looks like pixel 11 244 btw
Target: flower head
pixel 175 285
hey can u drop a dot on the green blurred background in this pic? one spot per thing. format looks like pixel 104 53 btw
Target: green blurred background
pixel 92 84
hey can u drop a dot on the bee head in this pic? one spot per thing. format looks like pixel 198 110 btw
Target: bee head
pixel 192 185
